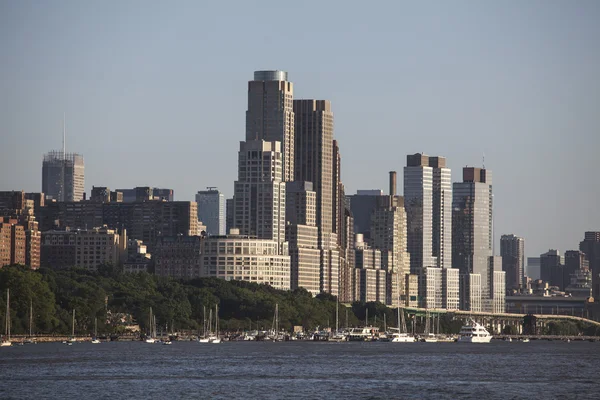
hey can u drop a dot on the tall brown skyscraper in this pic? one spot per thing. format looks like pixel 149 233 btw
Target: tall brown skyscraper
pixel 270 114
pixel 314 158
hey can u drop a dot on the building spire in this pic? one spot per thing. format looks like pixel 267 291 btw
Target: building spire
pixel 64 136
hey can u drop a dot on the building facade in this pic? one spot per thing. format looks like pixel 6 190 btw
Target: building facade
pixel 239 257
pixel 83 248
pixel 178 257
pixel 63 176
pixel 590 246
pixel 259 192
pixel 211 210
pixel 270 115
pixel 512 250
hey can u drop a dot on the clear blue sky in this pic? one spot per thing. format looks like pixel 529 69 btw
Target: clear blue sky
pixel 155 93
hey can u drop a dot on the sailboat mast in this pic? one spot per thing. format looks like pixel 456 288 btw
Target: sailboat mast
pixel 73 325
pixel 30 317
pixel 337 311
pixel 367 317
pixel 7 318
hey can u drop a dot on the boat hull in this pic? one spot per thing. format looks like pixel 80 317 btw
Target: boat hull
pixel 475 339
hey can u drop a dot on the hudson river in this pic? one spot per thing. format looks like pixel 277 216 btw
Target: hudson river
pixel 137 370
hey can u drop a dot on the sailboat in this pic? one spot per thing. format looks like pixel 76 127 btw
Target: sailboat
pixel 338 336
pixel 72 338
pixel 151 335
pixel 95 338
pixel 402 335
pixel 206 338
pixel 6 341
pixel 216 338
pixel 276 337
pixel 428 336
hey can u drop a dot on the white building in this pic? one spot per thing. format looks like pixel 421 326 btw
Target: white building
pixel 239 257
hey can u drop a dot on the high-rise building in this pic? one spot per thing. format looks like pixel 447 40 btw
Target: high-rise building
pixel 259 192
pixel 211 210
pixel 228 215
pixel 532 270
pixel 388 234
pixel 63 176
pixel 314 158
pixel 418 201
pixel 302 236
pixel 472 233
pixel 552 268
pixel 270 115
pixel 370 278
pixel 591 247
pixel 362 205
pixel 442 212
pixel 512 250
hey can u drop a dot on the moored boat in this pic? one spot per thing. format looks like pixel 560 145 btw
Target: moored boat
pixel 474 333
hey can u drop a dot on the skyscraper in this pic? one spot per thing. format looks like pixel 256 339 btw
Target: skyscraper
pixel 512 250
pixel 211 210
pixel 259 192
pixel 418 201
pixel 302 237
pixel 63 176
pixel 270 115
pixel 442 212
pixel 472 231
pixel 388 234
pixel 314 163
pixel 591 247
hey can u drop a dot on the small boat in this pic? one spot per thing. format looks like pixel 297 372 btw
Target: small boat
pixel 474 333
pixel 431 338
pixel 525 340
pixel 508 339
pixel 402 338
pixel 95 341
pixel 167 343
pixel 6 341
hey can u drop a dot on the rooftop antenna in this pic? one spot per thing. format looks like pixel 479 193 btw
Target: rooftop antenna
pixel 64 136
pixel 483 160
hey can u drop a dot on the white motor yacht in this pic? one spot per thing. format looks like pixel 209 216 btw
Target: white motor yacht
pixel 402 338
pixel 474 333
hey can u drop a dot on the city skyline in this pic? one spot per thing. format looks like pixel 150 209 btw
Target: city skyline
pixel 522 132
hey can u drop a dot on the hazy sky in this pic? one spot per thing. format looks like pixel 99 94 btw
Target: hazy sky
pixel 155 94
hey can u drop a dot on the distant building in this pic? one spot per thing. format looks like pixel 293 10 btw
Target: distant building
pixel 63 176
pixel 430 287
pixel 178 256
pixel 532 269
pixel 270 115
pixel 83 248
pixel 22 245
pixel 259 192
pixel 590 246
pixel 228 215
pixel 239 257
pixel 138 258
pixel 370 278
pixel 362 205
pixel 472 237
pixel 144 220
pixel 512 250
pixel 146 193
pixel 211 210
pixel 552 268
pixel 302 236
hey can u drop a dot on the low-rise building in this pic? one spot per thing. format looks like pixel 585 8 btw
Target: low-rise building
pixel 178 256
pixel 240 257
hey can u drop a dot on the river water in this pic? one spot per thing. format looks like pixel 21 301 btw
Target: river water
pixel 137 370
